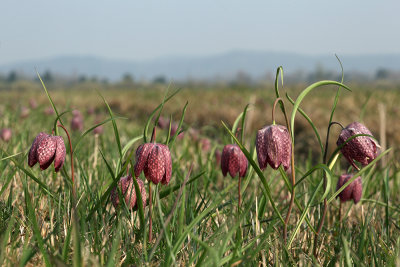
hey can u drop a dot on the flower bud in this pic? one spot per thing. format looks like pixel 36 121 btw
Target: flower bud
pixel 274 147
pixel 363 149
pixel 233 161
pixel 155 161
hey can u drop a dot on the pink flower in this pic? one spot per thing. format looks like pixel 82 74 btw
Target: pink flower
pixel 46 149
pixel 155 161
pixel 353 191
pixel 274 147
pixel 6 134
pixel 233 161
pixel 127 187
pixel 363 149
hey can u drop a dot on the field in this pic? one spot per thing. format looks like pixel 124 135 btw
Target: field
pixel 196 219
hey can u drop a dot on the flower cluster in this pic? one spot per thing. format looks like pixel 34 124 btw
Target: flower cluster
pixel 363 149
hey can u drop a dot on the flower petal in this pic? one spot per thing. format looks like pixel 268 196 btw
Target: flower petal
pixel 168 164
pixel 142 153
pixel 32 159
pixel 60 153
pixel 46 151
pixel 155 165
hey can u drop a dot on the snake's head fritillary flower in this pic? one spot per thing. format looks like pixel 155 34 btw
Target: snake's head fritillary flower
pixel 24 112
pixel 6 134
pixel 154 160
pixel 233 161
pixel 353 191
pixel 46 149
pixel 77 123
pixel 363 149
pixel 274 147
pixel 127 187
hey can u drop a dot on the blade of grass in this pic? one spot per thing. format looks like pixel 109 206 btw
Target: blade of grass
pixel 35 227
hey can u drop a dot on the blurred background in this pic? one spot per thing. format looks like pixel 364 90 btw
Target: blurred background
pixel 224 54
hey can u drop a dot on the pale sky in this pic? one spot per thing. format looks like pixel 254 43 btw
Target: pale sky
pixel 148 29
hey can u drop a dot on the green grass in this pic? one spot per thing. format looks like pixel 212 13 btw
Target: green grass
pixel 195 217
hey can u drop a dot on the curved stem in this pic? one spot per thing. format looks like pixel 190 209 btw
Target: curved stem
pixel 321 222
pixel 72 160
pixel 153 135
pixel 150 217
pixel 240 198
pixel 292 195
pixel 273 109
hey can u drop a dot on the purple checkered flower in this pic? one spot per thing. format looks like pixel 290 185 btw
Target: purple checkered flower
pixel 47 149
pixel 353 191
pixel 363 149
pixel 274 147
pixel 154 160
pixel 233 161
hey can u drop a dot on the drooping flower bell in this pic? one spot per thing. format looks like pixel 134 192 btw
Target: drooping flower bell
pixel 154 160
pixel 363 149
pixel 353 191
pixel 77 120
pixel 127 187
pixel 233 161
pixel 274 147
pixel 6 134
pixel 45 149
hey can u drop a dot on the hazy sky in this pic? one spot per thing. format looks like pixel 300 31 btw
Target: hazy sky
pixel 146 29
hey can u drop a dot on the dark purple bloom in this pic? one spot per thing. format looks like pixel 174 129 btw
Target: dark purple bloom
pixel 127 187
pixel 233 161
pixel 353 191
pixel 274 147
pixel 363 149
pixel 155 161
pixel 45 149
pixel 6 134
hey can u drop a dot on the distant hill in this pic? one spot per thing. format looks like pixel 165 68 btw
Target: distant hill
pixel 223 66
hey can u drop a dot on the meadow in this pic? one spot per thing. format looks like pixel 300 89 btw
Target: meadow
pixel 196 219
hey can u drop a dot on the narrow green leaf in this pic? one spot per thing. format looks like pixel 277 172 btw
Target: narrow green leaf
pixel 304 93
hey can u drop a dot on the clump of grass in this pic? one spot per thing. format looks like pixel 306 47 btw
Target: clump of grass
pixel 194 219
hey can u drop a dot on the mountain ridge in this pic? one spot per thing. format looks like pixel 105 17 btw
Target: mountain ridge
pixel 223 65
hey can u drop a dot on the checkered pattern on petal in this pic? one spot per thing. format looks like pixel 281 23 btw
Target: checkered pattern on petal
pixel 46 151
pixel 142 154
pixel 261 148
pixel 155 165
pixel 32 158
pixel 60 153
pixel 168 164
pixel 363 149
